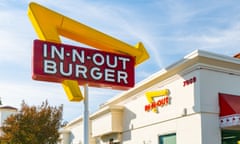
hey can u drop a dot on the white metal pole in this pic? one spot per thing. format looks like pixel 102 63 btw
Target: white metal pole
pixel 86 116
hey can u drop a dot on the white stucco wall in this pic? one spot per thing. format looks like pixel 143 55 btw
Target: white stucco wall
pixel 145 127
pixel 200 101
pixel 75 133
pixel 212 83
pixel 102 124
pixel 192 112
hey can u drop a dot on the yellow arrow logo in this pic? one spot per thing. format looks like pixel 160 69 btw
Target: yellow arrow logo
pixel 150 95
pixel 49 25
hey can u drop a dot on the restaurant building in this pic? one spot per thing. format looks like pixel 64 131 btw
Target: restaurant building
pixel 193 101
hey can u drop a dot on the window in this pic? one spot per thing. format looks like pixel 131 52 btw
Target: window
pixel 167 139
pixel 230 136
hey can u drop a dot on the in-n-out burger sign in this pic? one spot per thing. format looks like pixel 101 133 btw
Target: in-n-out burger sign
pixel 162 101
pixel 56 62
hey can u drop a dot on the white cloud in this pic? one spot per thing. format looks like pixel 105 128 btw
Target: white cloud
pixel 225 41
pixel 15 35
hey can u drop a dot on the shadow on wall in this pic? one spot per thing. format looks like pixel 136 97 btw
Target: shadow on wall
pixel 71 137
pixel 128 116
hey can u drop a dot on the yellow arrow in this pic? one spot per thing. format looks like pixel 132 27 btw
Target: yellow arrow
pixel 150 95
pixel 72 90
pixel 70 86
pixel 49 25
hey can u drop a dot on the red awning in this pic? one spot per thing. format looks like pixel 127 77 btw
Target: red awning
pixel 229 104
pixel 229 111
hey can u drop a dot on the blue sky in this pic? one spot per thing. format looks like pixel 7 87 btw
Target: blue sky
pixel 169 29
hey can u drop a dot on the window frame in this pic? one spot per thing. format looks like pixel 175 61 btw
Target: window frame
pixel 166 135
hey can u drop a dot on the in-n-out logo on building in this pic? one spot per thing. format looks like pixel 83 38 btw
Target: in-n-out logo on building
pixel 163 100
pixel 56 62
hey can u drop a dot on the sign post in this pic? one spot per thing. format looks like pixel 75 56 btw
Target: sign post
pixel 86 116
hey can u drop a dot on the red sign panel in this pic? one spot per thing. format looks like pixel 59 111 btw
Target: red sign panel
pixel 56 62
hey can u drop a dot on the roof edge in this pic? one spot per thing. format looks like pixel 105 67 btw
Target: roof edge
pixel 189 57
